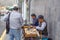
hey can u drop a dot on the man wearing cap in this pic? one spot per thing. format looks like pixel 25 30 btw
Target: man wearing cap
pixel 42 26
pixel 15 23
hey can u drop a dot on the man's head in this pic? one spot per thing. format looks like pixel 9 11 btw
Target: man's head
pixel 33 16
pixel 40 18
pixel 15 8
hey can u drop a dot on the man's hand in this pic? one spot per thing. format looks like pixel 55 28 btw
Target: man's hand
pixel 34 27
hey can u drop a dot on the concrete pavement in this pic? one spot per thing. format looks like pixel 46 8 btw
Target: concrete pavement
pixel 5 36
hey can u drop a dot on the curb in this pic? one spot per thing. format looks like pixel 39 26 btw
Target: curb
pixel 3 34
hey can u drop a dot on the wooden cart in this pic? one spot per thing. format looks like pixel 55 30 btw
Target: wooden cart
pixel 30 33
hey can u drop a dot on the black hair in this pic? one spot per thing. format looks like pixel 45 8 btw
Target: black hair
pixel 33 15
pixel 15 8
pixel 40 17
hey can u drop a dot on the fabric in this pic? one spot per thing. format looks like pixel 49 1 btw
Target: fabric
pixel 41 26
pixel 5 18
pixel 35 22
pixel 15 34
pixel 7 24
pixel 16 20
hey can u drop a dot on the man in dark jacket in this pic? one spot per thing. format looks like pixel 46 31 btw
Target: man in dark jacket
pixel 42 26
pixel 34 20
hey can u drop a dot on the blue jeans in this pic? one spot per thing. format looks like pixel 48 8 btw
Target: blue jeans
pixel 15 34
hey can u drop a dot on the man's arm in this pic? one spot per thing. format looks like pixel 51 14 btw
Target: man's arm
pixel 42 26
pixel 5 18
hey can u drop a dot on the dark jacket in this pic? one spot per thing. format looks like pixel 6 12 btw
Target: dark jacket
pixel 8 24
pixel 35 22
pixel 44 32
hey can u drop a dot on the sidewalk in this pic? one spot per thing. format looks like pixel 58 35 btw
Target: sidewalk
pixel 7 37
pixel 2 27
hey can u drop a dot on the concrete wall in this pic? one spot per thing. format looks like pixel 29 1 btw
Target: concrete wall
pixel 8 2
pixel 51 10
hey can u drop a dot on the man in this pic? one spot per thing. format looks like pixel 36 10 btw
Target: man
pixel 42 26
pixel 7 23
pixel 15 21
pixel 34 20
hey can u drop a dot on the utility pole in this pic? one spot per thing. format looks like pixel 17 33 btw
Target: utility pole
pixel 0 15
pixel 29 5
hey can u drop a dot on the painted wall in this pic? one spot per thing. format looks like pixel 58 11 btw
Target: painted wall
pixel 51 10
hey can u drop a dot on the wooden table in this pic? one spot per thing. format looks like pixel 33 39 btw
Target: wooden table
pixel 30 32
